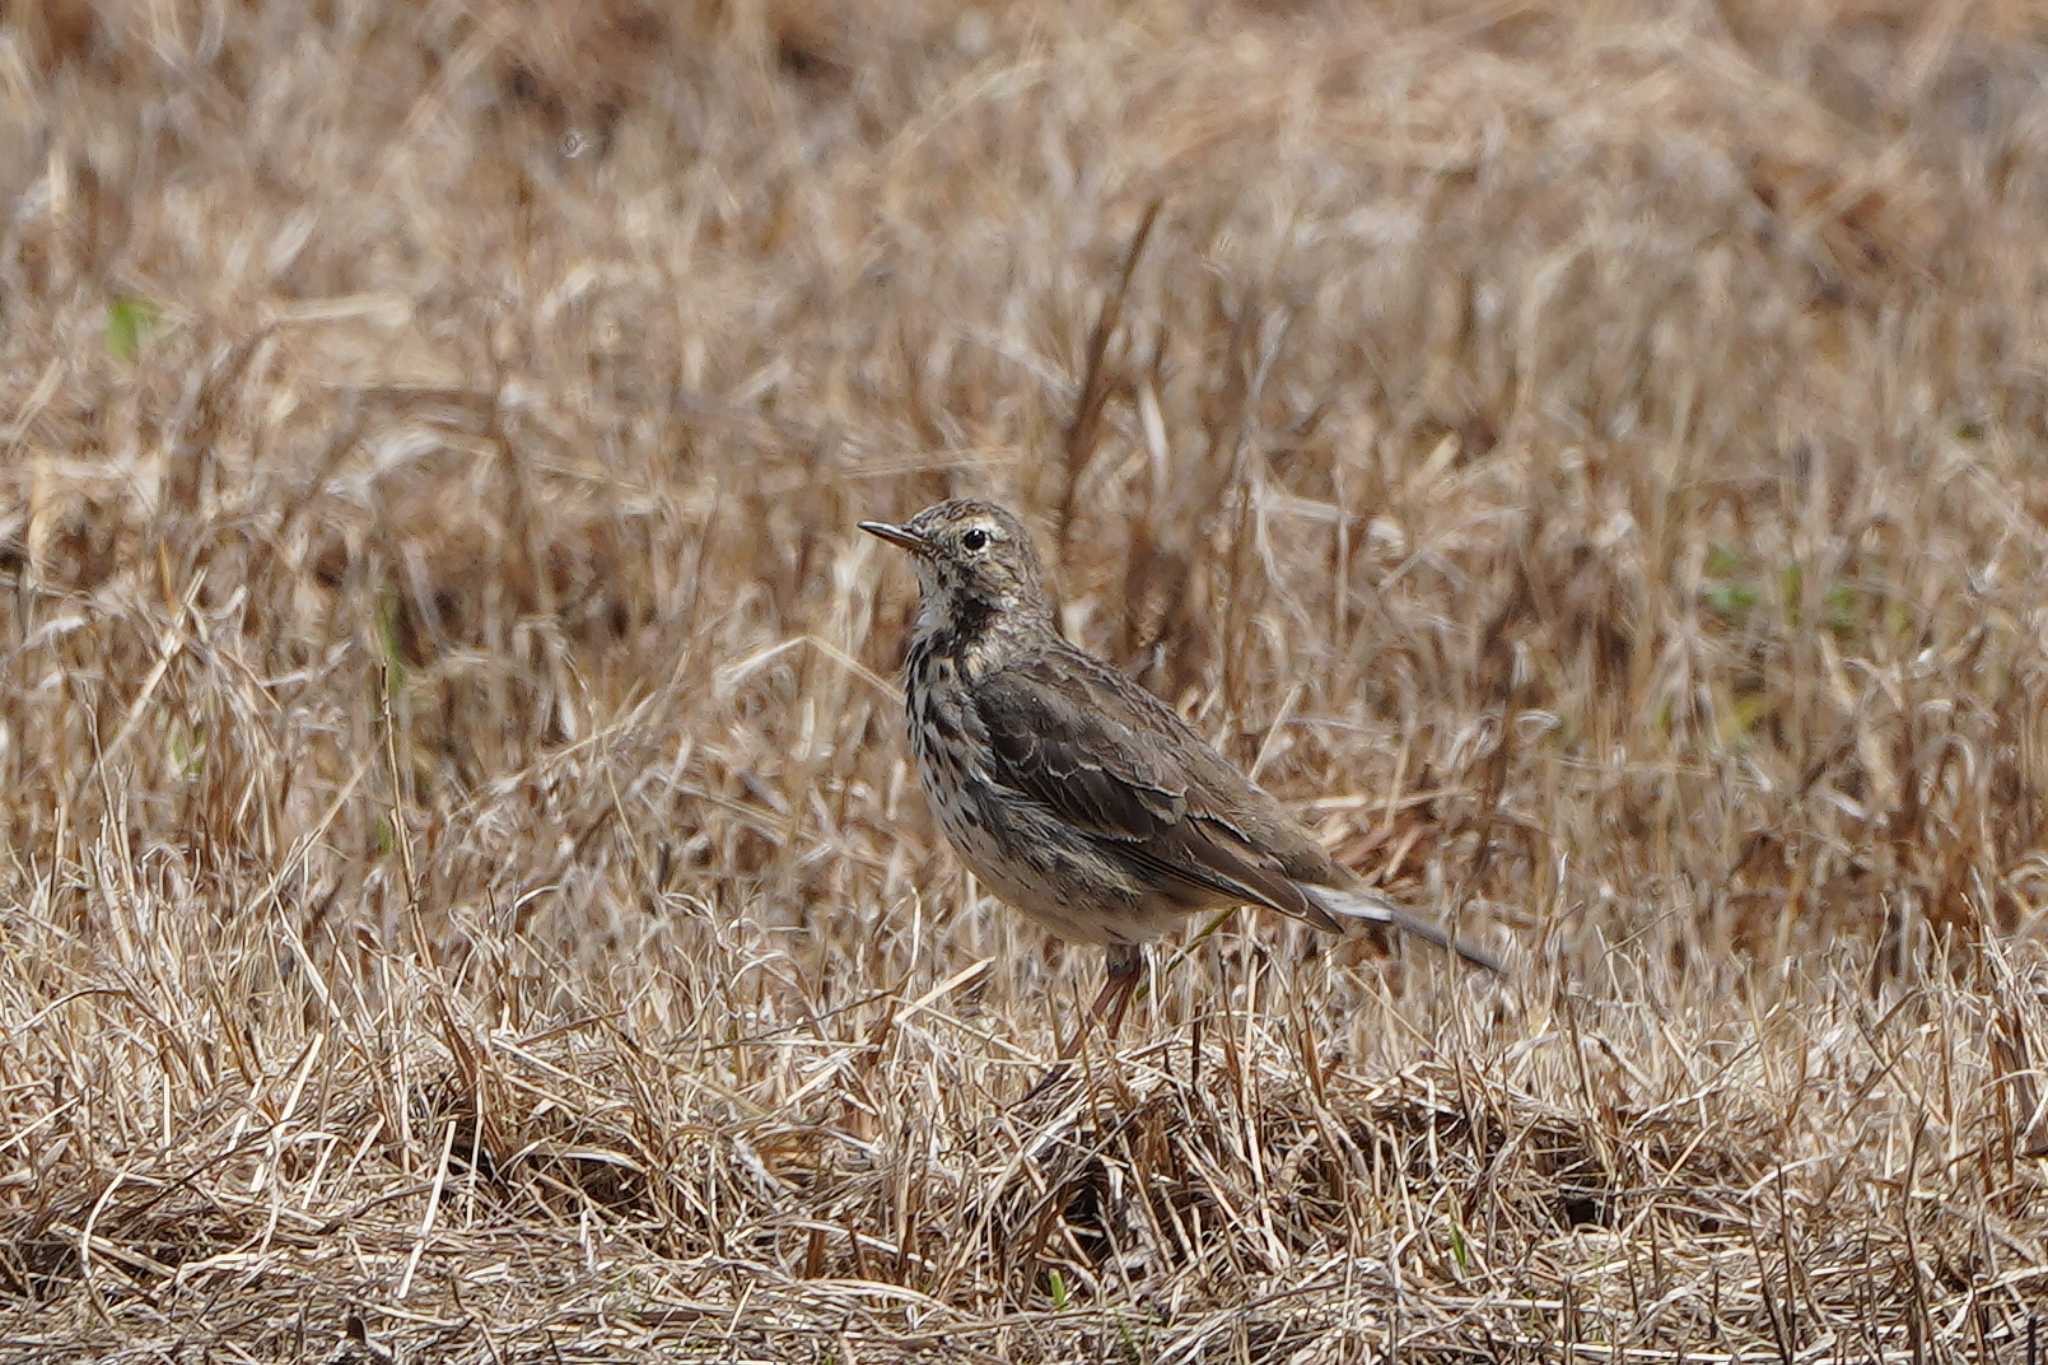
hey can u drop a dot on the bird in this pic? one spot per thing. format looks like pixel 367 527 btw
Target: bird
pixel 1074 794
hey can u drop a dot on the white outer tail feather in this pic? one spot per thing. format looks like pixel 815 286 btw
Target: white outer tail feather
pixel 1374 908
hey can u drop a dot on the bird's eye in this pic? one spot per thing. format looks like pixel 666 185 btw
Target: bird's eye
pixel 974 540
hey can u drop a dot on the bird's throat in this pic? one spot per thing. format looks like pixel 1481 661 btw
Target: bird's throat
pixel 963 630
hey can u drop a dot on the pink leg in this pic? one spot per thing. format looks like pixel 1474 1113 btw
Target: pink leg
pixel 1126 966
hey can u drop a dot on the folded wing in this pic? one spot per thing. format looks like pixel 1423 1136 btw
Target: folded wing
pixel 1110 759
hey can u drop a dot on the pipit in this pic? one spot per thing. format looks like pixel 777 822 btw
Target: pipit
pixel 1074 794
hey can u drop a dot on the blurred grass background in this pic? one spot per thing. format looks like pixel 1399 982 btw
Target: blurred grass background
pixel 465 896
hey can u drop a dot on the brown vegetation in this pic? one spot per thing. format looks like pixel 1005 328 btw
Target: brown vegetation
pixel 463 896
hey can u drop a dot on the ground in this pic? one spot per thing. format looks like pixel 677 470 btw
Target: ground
pixel 463 895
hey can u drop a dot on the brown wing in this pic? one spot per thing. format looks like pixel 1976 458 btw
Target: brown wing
pixel 1113 761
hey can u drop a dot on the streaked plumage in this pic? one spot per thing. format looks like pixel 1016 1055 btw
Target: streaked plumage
pixel 1074 794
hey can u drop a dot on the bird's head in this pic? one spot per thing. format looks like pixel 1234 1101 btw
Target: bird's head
pixel 974 560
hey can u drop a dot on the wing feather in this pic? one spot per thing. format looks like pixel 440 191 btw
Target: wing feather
pixel 1115 763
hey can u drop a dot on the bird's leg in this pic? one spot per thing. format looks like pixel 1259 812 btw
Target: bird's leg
pixel 1126 965
pixel 1126 969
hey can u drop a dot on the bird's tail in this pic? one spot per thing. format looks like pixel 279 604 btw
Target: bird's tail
pixel 1369 906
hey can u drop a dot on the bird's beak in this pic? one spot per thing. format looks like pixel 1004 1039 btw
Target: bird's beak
pixel 898 535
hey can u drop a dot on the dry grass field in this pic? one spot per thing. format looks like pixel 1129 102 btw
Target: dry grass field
pixel 463 896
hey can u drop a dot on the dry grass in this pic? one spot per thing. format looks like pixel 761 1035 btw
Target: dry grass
pixel 463 897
